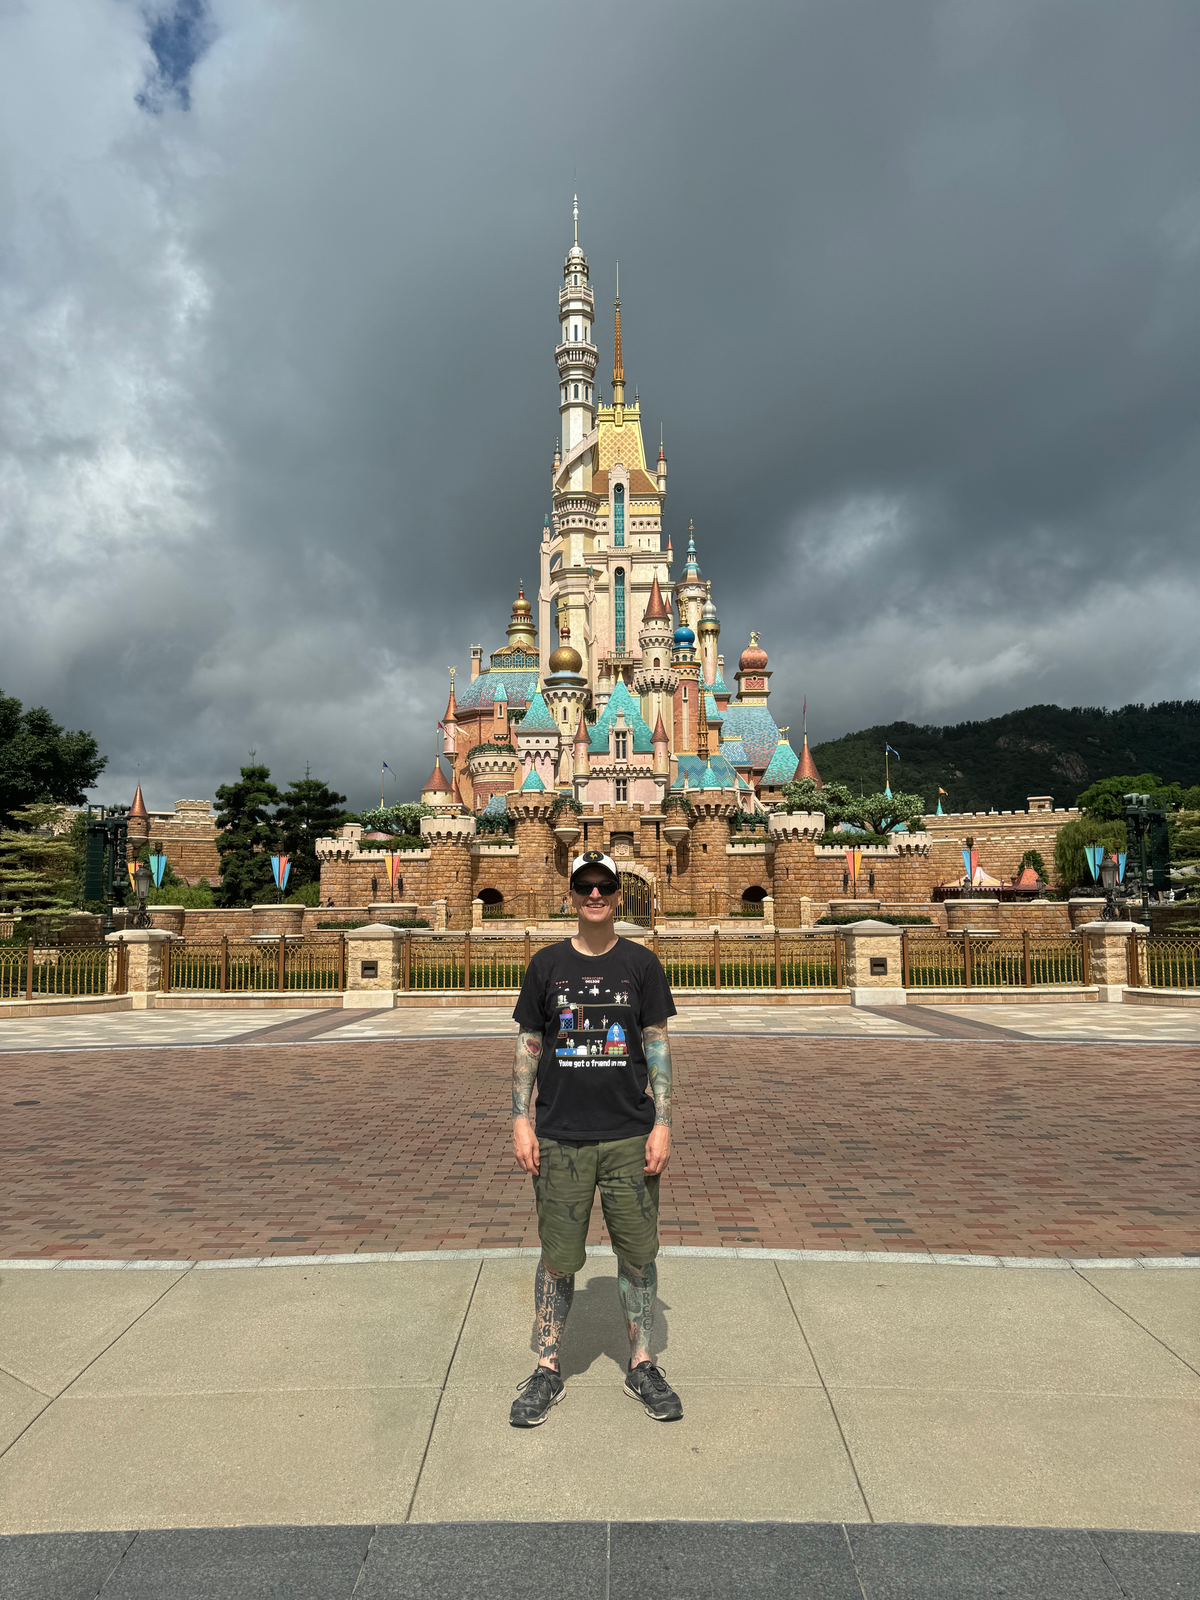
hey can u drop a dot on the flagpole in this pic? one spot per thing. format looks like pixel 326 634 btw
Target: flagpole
pixel 887 771
pixel 381 788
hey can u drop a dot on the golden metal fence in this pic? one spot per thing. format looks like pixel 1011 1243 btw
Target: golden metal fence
pixel 243 966
pixel 750 961
pixel 1168 962
pixel 965 960
pixel 29 971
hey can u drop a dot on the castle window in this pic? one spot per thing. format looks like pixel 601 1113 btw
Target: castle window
pixel 619 514
pixel 685 694
pixel 619 608
pixel 656 661
pixel 575 335
pixel 576 396
pixel 621 746
pixel 622 788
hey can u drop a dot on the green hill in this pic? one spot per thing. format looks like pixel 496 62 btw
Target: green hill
pixel 998 763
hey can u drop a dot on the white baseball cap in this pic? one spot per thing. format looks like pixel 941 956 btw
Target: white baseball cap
pixel 593 858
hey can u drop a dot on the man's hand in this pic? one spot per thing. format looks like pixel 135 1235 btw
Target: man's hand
pixel 658 1150
pixel 525 1145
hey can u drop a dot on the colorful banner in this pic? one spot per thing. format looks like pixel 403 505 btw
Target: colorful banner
pixel 1120 859
pixel 1093 854
pixel 158 865
pixel 853 859
pixel 393 866
pixel 281 866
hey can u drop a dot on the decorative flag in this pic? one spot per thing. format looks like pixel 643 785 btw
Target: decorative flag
pixel 1093 854
pixel 131 868
pixel 1120 859
pixel 281 866
pixel 887 749
pixel 853 858
pixel 393 866
pixel 158 865
pixel 966 855
pixel 941 791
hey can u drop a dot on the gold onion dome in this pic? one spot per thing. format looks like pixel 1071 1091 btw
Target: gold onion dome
pixel 521 607
pixel 565 659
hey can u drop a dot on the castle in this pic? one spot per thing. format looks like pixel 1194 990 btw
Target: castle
pixel 626 736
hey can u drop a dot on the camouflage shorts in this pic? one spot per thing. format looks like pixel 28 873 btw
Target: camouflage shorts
pixel 565 1187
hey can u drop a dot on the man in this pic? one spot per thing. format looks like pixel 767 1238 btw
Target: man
pixel 592 1016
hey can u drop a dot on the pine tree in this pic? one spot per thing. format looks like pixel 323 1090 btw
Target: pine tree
pixel 310 810
pixel 248 836
pixel 39 762
pixel 39 860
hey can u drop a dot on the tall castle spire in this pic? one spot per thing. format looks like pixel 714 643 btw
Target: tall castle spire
pixel 618 368
pixel 575 357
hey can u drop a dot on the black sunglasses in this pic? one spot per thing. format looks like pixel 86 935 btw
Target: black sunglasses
pixel 606 886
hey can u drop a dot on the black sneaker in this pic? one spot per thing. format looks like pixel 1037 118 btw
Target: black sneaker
pixel 646 1383
pixel 541 1390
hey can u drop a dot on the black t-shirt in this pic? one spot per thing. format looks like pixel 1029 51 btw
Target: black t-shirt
pixel 590 1012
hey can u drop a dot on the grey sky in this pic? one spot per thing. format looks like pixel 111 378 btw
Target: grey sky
pixel 912 289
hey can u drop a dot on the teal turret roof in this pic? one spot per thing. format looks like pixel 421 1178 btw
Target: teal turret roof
pixel 756 728
pixel 620 700
pixel 712 710
pixel 533 784
pixel 735 752
pixel 538 717
pixel 718 684
pixel 782 765
pixel 497 806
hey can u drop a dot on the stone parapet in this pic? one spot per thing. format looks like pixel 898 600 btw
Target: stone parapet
pixel 976 914
pixel 796 824
pixel 1083 911
pixel 277 919
pixel 448 829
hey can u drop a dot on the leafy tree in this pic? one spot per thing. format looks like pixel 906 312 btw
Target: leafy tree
pixel 403 818
pixel 873 813
pixel 194 896
pixel 1070 863
pixel 308 811
pixel 308 895
pixel 1105 800
pixel 40 763
pixel 40 861
pixel 247 837
pixel 1032 858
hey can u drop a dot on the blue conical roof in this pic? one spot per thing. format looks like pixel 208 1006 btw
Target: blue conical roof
pixel 620 700
pixel 533 784
pixel 538 717
pixel 782 766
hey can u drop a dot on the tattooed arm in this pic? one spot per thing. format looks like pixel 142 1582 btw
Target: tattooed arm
pixel 525 1065
pixel 657 1046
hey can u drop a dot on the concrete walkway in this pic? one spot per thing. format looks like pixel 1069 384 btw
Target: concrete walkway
pixel 830 1390
pixel 1064 1022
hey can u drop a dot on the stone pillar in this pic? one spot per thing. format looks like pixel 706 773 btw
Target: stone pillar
pixel 1108 955
pixel 808 912
pixel 277 919
pixel 373 966
pixel 143 972
pixel 874 969
pixel 169 917
pixel 974 915
pixel 476 914
pixel 449 841
pixel 794 833
pixel 769 912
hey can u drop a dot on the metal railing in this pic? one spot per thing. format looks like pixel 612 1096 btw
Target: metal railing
pixel 1164 961
pixel 28 971
pixel 965 960
pixel 237 966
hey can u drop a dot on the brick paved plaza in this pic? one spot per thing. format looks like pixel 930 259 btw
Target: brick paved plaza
pixel 1005 1148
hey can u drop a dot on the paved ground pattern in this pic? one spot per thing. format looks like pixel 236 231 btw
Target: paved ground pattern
pixel 918 1144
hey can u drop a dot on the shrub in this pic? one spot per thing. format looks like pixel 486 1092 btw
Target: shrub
pixel 896 921
pixel 399 922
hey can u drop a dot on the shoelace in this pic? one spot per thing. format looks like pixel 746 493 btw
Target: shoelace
pixel 542 1374
pixel 656 1379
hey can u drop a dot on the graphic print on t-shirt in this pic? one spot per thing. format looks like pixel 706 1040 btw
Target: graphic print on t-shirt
pixel 593 1022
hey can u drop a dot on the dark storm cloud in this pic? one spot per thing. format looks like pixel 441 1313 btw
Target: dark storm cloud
pixel 911 289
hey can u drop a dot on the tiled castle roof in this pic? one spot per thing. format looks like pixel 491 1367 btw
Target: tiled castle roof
pixel 755 727
pixel 478 696
pixel 620 700
pixel 538 717
pixel 781 765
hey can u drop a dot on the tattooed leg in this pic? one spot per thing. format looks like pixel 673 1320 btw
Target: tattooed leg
pixel 552 1296
pixel 638 1287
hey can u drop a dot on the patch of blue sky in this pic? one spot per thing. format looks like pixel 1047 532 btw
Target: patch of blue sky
pixel 178 33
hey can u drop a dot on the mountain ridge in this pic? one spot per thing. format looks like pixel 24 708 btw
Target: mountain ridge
pixel 996 763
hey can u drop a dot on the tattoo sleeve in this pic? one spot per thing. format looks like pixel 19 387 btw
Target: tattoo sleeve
pixel 525 1065
pixel 657 1046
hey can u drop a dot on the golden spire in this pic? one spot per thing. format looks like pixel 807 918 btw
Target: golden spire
pixel 702 726
pixel 618 369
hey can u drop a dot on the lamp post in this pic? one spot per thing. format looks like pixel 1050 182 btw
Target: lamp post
pixel 1109 875
pixel 140 917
